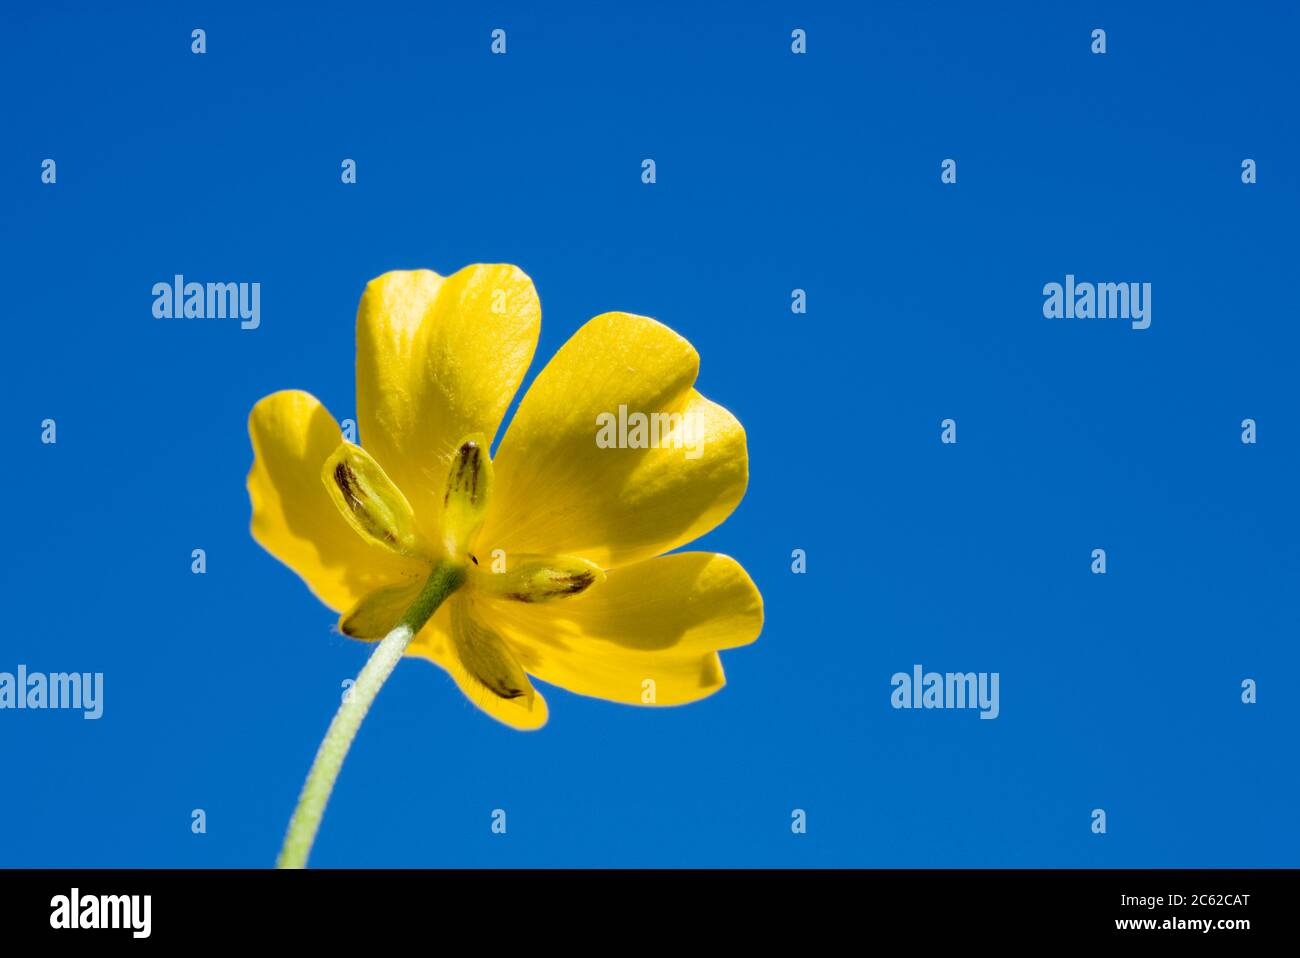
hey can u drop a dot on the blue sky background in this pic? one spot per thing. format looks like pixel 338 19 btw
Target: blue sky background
pixel 775 171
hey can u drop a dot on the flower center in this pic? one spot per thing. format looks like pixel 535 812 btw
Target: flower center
pixel 377 510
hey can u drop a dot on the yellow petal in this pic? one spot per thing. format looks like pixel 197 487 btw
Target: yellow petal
pixel 438 359
pixel 293 518
pixel 483 667
pixel 648 636
pixel 535 578
pixel 559 491
pixel 369 502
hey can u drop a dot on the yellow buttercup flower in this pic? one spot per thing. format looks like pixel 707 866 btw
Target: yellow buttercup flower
pixel 547 561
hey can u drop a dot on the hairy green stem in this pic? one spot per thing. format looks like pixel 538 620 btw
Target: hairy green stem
pixel 445 580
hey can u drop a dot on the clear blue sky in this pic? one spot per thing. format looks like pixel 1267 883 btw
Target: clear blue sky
pixel 775 171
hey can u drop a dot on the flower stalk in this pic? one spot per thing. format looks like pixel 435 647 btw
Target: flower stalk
pixel 445 579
